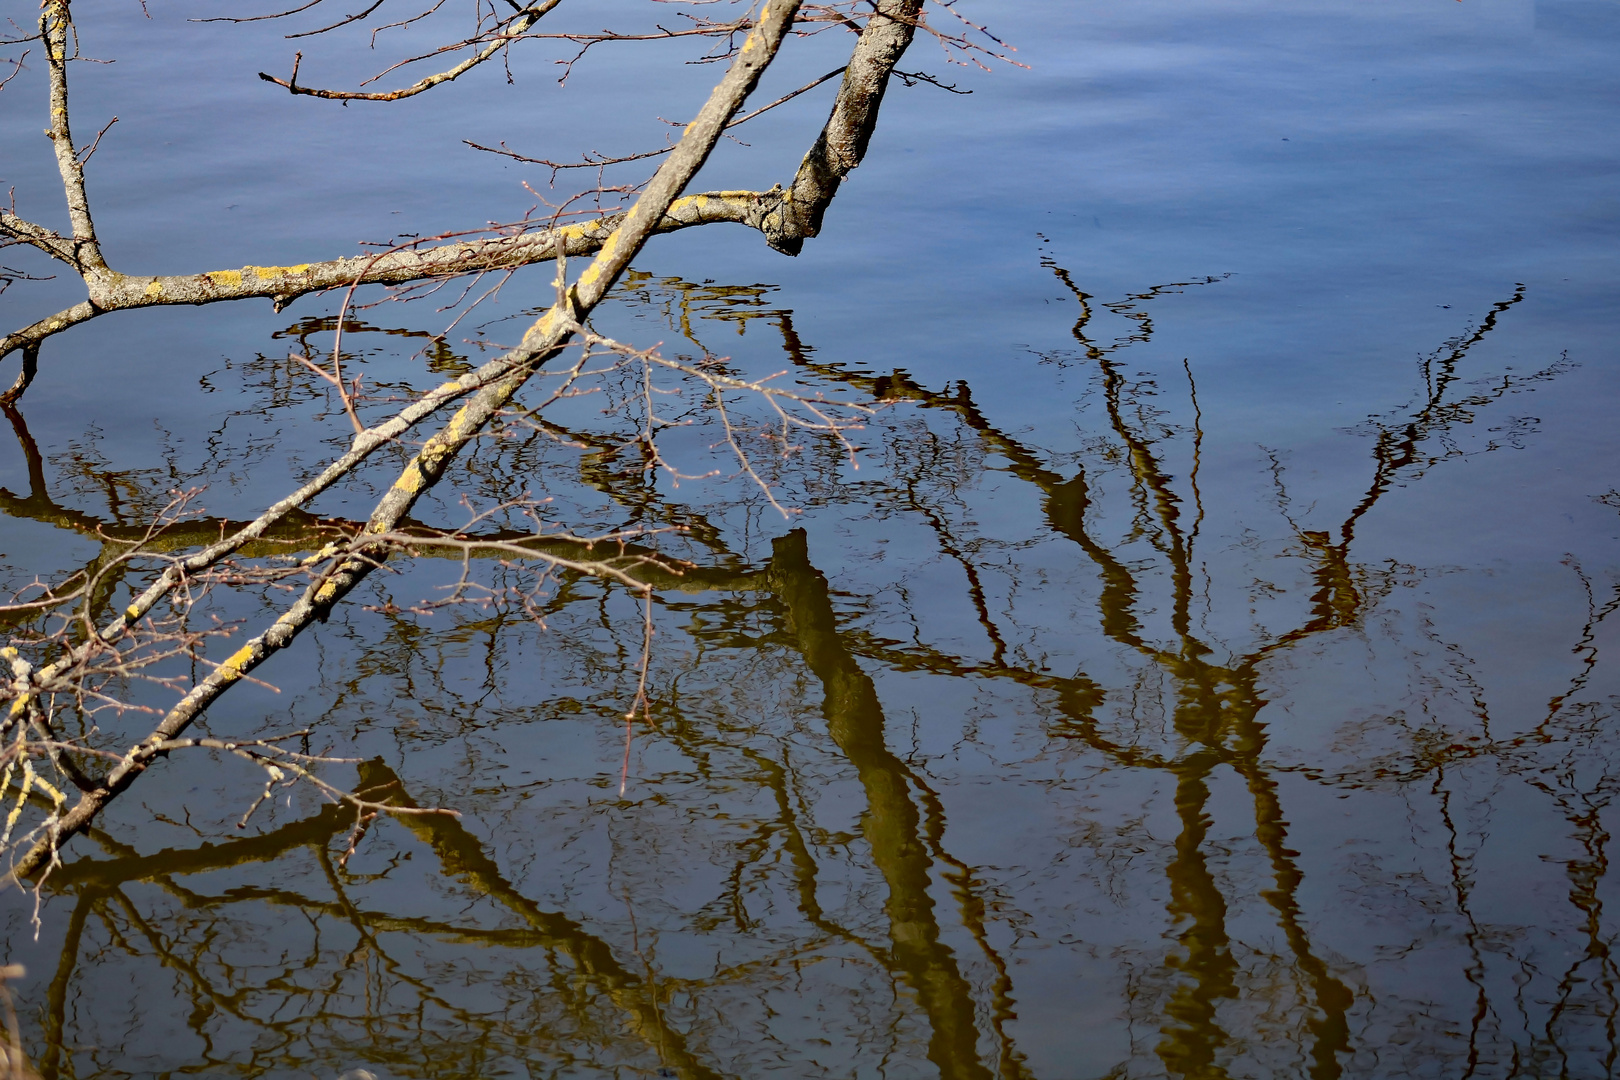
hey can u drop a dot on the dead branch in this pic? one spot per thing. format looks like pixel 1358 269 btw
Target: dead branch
pixel 599 160
pixel 540 344
pixel 16 68
pixel 54 26
pixel 498 39
pixel 262 18
pixel 785 218
pixel 126 647
pixel 848 131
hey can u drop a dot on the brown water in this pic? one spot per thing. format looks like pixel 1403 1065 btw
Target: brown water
pixel 1205 673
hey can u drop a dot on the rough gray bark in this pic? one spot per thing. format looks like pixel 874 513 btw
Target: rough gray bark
pixel 848 131
pixel 55 27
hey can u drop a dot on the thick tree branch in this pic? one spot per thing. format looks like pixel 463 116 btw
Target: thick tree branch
pixel 112 291
pixel 28 338
pixel 50 242
pixel 286 283
pixel 843 140
pixel 55 25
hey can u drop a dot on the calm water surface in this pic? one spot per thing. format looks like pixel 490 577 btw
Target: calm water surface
pixel 1207 671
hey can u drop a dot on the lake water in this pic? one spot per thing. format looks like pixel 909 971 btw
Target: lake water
pixel 1207 671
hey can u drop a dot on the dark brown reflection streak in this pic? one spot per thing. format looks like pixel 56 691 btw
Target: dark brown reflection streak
pixel 1011 1064
pixel 1190 1046
pixel 1582 807
pixel 917 657
pixel 50 1059
pixel 721 303
pixel 314 833
pixel 804 863
pixel 742 305
pixel 698 744
pixel 1218 707
pixel 892 826
pixel 1397 448
pixel 1461 865
pixel 1583 811
pixel 98 881
pixel 205 997
pixel 1065 501
pixel 1199 714
pixel 298 532
pixel 326 324
pixel 461 856
pixel 1228 724
pixel 1197 455
pixel 1337 601
pixel 1585 646
pixel 914 501
pixel 1203 701
pixel 1077 696
pixel 1150 479
pixel 38 505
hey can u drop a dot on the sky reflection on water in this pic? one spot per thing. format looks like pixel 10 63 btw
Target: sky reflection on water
pixel 1203 675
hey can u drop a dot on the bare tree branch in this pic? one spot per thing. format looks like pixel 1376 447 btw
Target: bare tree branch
pixel 599 161
pixel 54 25
pixel 785 218
pixel 499 39
pixel 843 141
pixel 540 344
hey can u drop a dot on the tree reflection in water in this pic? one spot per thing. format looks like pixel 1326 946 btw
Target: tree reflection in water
pixel 780 891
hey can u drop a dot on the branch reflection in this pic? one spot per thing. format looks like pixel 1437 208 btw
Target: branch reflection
pixel 800 878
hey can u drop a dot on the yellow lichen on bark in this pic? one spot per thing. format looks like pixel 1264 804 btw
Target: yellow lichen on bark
pixel 268 273
pixel 232 667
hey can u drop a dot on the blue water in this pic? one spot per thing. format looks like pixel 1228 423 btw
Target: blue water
pixel 1221 693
